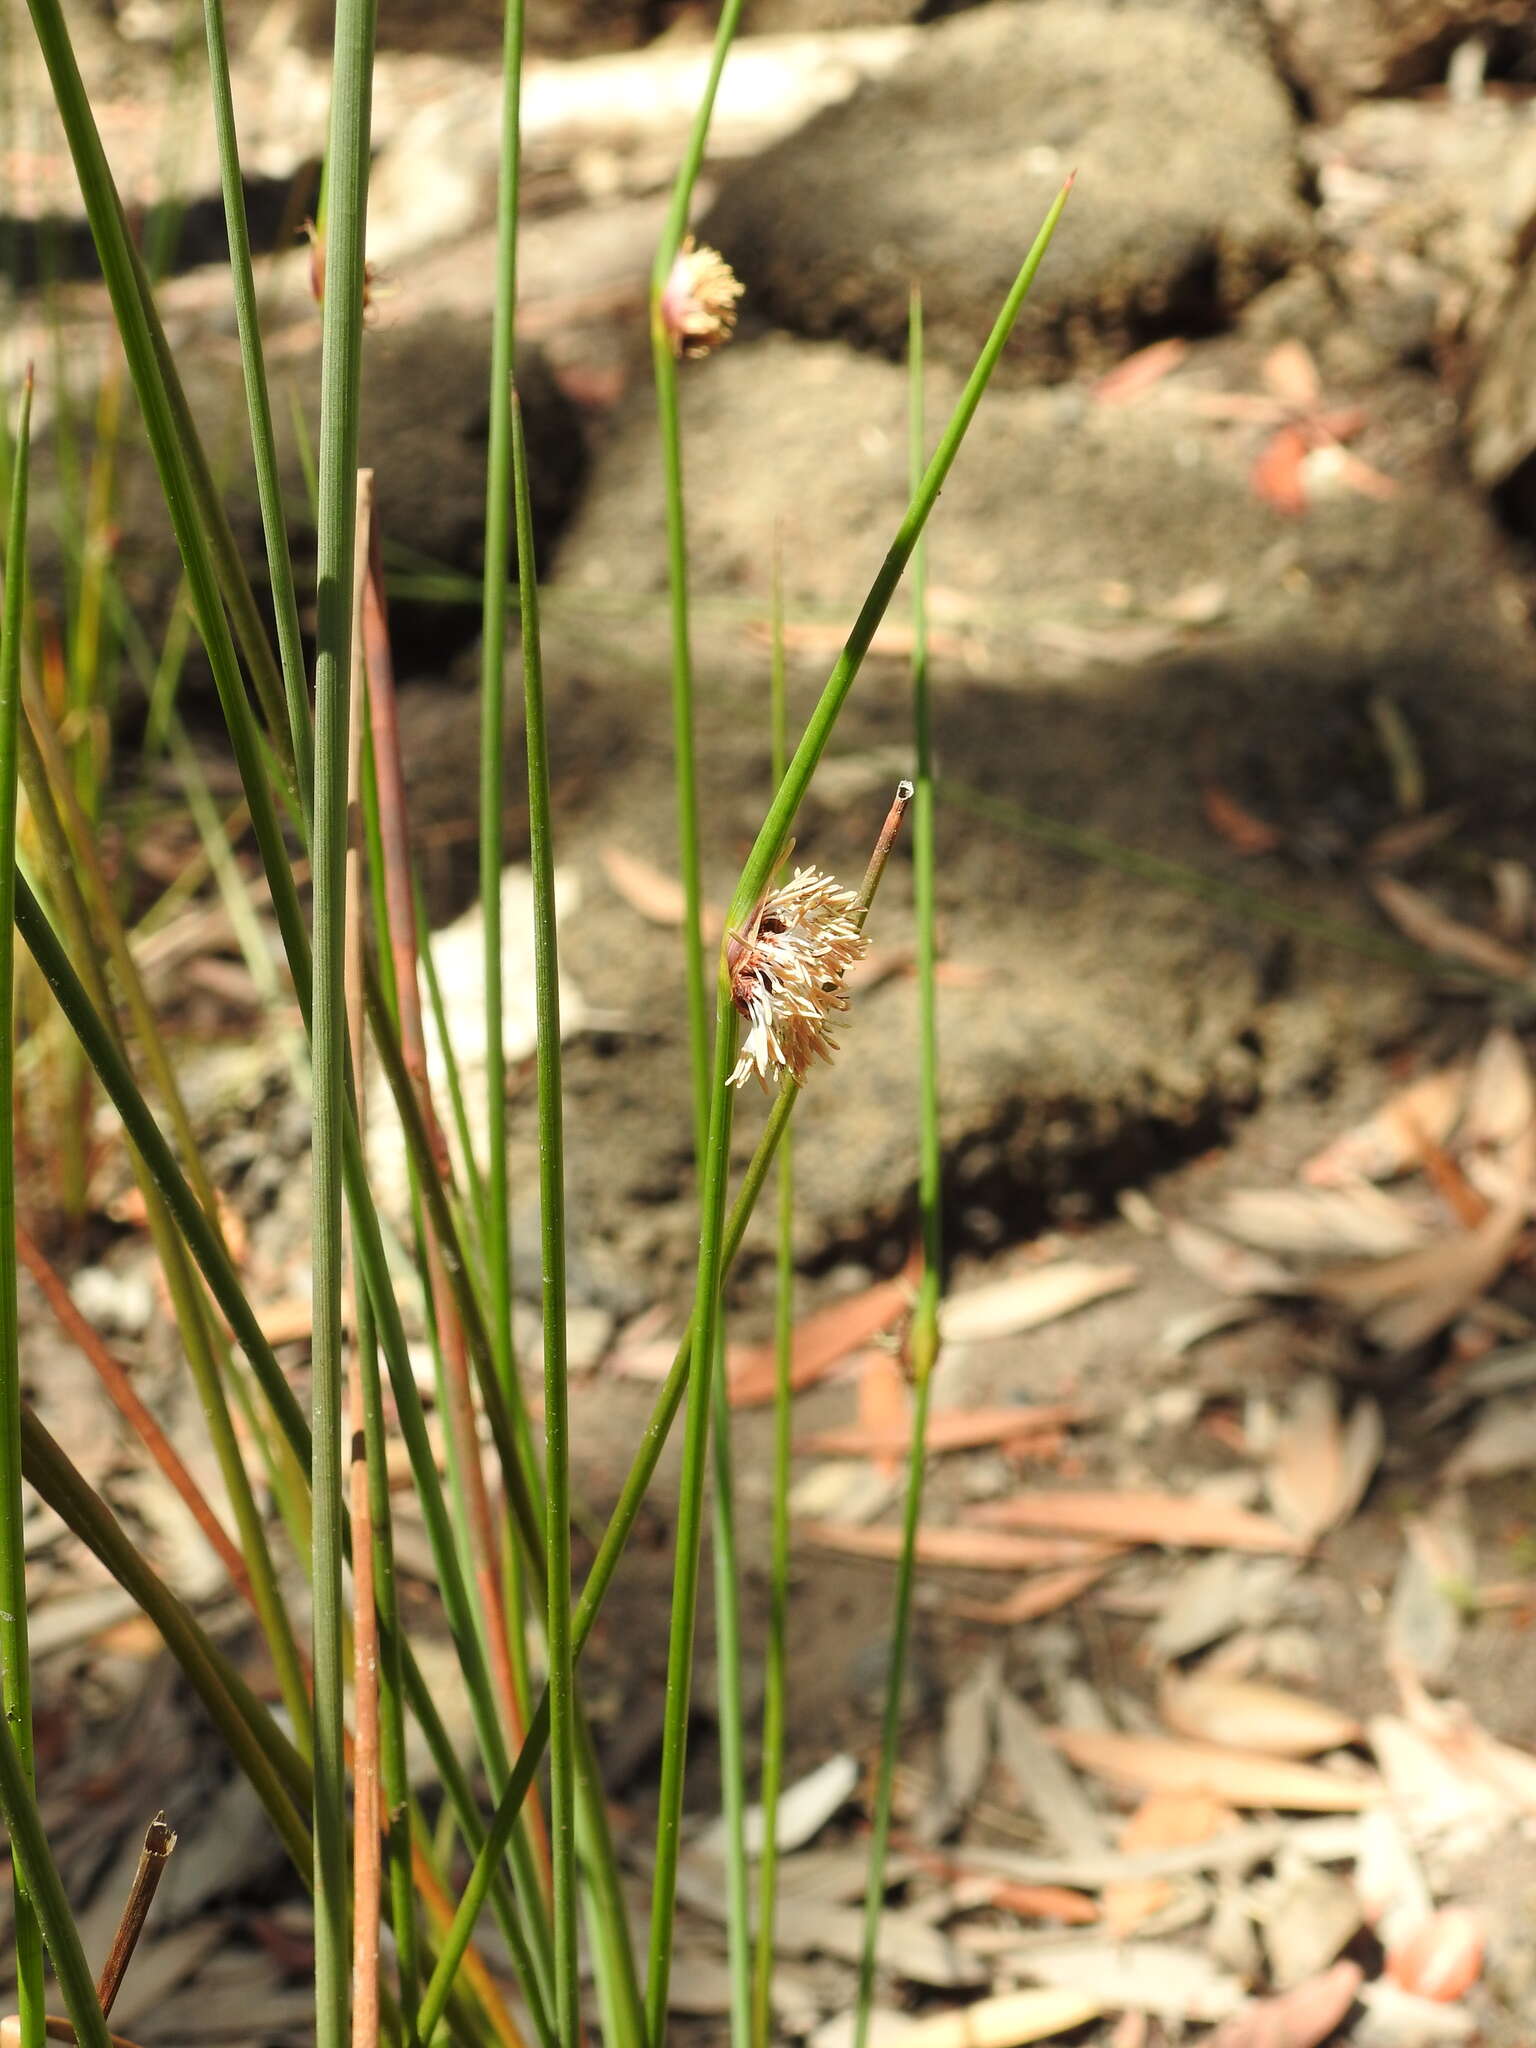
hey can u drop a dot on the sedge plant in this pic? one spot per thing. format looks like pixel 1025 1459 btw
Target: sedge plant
pixel 319 774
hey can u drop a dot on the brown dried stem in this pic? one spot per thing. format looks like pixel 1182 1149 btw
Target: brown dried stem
pixel 123 1396
pixel 367 1841
pixel 159 1841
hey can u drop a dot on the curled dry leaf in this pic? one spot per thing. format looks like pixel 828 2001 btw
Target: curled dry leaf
pixel 1403 1302
pixel 1392 1140
pixel 1245 1713
pixel 1026 1300
pixel 1359 1221
pixel 1302 2017
pixel 1152 1763
pixel 1441 1959
pixel 1320 1468
pixel 1167 1518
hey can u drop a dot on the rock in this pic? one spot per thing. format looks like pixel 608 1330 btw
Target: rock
pixel 1424 208
pixel 939 173
pixel 1100 1025
pixel 1337 50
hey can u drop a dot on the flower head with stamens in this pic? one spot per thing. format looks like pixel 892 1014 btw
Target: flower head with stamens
pixel 698 301
pixel 786 967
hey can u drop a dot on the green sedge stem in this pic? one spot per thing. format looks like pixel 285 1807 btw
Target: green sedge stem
pixel 45 1893
pixel 496 1222
pixel 15 1669
pixel 285 603
pixel 557 1448
pixel 776 1675
pixel 338 596
pixel 924 1343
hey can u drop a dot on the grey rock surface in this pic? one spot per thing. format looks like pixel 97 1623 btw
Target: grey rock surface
pixel 939 174
pixel 1096 1022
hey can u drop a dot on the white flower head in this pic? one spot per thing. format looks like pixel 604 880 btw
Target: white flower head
pixel 698 301
pixel 787 967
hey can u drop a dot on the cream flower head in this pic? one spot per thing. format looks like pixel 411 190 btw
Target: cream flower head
pixel 786 969
pixel 698 301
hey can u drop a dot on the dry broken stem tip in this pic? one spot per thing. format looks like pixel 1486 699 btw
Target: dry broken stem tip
pixel 698 300
pixel 159 1841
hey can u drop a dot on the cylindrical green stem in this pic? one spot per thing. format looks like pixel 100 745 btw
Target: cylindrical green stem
pixel 924 1343
pixel 15 1675
pixel 557 1449
pixel 776 1672
pixel 341 378
pixel 493 641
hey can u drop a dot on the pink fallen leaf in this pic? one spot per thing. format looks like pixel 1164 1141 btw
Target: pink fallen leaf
pixel 949 1429
pixel 984 1550
pixel 1303 2017
pixel 1442 1958
pixel 1024 1301
pixel 1392 1140
pixel 1045 1593
pixel 1421 919
pixel 822 1340
pixel 1278 474
pixel 1158 1763
pixel 1138 373
pixel 1241 829
pixel 1166 1518
pixel 1246 1713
